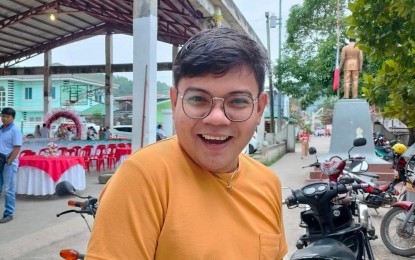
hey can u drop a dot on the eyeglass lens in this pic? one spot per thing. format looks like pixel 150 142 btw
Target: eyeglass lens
pixel 198 104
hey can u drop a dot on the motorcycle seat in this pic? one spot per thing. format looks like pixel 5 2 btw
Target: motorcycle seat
pixel 368 174
pixel 325 248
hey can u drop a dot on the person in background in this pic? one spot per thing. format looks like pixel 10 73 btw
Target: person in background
pixel 37 132
pixel 160 133
pixel 11 140
pixel 197 186
pixel 109 133
pixel 304 138
pixel 104 133
pixel 44 132
pixel 90 133
pixel 68 134
pixel 100 133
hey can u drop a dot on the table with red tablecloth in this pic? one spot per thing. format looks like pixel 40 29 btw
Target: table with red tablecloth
pixel 38 174
pixel 121 153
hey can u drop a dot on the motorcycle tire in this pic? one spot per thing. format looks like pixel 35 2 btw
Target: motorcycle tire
pixel 403 244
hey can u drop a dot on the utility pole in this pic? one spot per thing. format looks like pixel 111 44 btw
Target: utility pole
pixel 271 87
pixel 280 114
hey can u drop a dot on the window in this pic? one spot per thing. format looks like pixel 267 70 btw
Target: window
pixel 2 97
pixel 28 93
pixel 53 92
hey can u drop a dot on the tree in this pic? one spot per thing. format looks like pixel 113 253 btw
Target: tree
pixel 386 30
pixel 125 87
pixel 307 64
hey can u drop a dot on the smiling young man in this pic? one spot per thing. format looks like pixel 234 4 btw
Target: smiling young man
pixel 195 196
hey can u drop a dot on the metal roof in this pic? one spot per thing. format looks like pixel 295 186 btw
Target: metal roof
pixel 26 28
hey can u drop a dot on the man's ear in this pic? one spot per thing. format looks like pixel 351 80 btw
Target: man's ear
pixel 262 103
pixel 173 97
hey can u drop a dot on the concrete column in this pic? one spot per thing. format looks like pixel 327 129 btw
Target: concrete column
pixel 109 97
pixel 291 138
pixel 144 73
pixel 47 82
pixel 175 50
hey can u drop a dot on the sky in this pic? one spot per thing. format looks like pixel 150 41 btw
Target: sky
pixel 92 51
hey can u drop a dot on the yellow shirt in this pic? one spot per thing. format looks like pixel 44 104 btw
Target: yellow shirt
pixel 161 205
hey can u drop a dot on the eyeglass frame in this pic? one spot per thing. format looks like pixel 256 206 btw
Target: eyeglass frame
pixel 222 106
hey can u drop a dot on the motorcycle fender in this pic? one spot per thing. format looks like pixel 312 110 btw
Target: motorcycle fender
pixel 406 205
pixel 325 248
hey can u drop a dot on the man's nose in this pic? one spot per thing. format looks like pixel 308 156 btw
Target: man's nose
pixel 217 113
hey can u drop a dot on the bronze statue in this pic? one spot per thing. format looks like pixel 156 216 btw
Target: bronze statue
pixel 352 59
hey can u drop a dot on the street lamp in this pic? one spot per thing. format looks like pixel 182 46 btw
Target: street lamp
pixel 271 88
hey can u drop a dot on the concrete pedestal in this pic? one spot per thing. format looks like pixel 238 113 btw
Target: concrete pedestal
pixel 351 120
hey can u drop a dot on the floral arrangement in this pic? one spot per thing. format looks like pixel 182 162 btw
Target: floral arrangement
pixel 65 113
pixel 52 149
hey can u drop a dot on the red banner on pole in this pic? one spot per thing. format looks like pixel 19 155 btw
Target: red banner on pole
pixel 336 81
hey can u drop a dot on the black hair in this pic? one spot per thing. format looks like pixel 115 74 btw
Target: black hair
pixel 8 111
pixel 218 51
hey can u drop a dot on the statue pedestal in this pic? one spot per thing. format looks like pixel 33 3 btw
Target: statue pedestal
pixel 351 120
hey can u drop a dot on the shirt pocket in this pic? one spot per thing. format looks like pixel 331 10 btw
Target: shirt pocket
pixel 269 246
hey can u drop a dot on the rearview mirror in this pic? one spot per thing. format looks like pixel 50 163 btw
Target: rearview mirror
pixel 64 188
pixel 359 141
pixel 312 150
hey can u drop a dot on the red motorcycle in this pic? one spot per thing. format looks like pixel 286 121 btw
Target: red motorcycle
pixel 373 196
pixel 397 226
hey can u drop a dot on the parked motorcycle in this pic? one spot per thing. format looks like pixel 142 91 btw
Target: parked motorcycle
pixel 397 226
pixel 89 207
pixel 331 231
pixel 373 196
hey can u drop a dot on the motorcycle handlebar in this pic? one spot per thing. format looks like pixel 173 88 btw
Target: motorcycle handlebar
pixel 74 203
pixel 358 158
pixel 82 211
pixel 292 200
pixel 315 164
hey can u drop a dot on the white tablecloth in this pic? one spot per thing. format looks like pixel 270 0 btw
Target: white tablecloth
pixel 33 181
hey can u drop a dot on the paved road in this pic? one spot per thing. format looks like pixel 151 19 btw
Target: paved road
pixel 36 232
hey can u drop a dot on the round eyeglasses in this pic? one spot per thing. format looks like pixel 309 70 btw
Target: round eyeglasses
pixel 198 104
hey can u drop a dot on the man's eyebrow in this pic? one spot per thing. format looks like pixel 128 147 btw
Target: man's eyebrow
pixel 235 92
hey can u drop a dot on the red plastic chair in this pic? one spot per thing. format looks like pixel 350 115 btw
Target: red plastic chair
pixel 86 154
pixel 77 150
pixel 91 147
pixel 99 157
pixel 70 152
pixel 121 145
pixel 128 145
pixel 110 156
pixel 43 151
pixel 61 150
pixel 26 153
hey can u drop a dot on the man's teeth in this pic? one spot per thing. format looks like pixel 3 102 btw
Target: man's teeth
pixel 219 138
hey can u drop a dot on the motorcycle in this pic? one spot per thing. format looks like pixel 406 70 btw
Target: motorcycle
pixel 373 196
pixel 331 231
pixel 89 207
pixel 397 226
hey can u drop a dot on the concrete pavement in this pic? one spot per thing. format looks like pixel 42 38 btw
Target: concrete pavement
pixel 36 232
